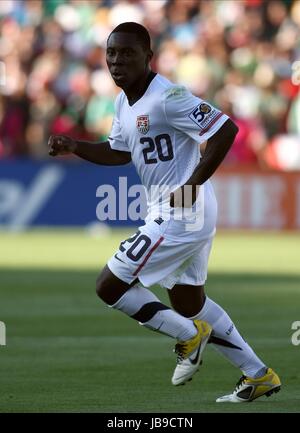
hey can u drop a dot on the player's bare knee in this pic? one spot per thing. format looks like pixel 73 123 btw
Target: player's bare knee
pixel 188 310
pixel 185 312
pixel 98 286
pixel 102 288
pixel 109 288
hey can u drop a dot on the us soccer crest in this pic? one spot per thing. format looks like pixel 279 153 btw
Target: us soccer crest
pixel 143 124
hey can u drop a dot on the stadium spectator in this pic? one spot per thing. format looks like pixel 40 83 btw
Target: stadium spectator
pixel 235 53
pixel 249 145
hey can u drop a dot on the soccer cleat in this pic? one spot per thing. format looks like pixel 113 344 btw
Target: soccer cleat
pixel 189 353
pixel 248 389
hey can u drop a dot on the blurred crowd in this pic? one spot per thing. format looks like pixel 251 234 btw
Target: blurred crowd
pixel 237 54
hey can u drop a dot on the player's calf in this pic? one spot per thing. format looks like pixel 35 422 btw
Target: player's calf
pixel 142 305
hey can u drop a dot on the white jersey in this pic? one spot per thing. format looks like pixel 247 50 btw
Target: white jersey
pixel 162 131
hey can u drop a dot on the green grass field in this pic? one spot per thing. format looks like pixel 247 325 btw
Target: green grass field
pixel 67 352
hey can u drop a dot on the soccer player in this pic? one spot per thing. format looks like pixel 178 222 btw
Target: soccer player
pixel 158 126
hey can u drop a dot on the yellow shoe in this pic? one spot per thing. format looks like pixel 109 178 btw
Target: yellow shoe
pixel 248 389
pixel 189 353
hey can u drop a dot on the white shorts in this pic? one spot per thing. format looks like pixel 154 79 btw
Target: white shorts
pixel 164 253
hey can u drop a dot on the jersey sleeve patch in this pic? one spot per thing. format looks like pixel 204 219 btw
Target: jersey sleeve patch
pixel 205 116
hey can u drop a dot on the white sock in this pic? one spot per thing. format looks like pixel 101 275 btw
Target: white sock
pixel 142 305
pixel 237 351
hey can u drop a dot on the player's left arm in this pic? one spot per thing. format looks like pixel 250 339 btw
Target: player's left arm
pixel 216 149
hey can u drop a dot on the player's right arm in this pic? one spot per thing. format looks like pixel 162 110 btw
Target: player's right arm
pixel 98 153
pixel 114 151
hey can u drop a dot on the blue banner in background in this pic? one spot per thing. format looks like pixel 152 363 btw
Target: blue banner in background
pixel 58 193
pixel 74 193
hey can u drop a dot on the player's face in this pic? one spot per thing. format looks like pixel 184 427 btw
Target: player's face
pixel 126 58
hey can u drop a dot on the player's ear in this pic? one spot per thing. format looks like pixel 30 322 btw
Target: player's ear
pixel 149 56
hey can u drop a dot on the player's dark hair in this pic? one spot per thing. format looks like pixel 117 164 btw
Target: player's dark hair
pixel 137 29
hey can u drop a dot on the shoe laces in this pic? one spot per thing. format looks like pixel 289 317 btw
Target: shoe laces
pixel 240 383
pixel 181 351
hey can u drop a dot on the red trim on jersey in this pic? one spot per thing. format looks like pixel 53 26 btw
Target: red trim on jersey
pixel 148 255
pixel 211 124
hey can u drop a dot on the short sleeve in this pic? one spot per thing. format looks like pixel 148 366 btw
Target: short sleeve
pixel 115 138
pixel 192 115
